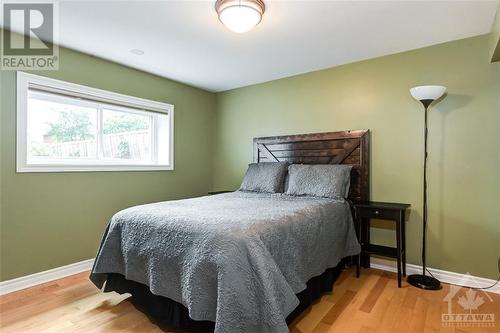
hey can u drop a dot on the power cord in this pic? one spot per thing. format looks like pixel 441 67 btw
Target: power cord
pixel 476 288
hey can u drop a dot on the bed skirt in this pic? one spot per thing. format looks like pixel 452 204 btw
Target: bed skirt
pixel 170 314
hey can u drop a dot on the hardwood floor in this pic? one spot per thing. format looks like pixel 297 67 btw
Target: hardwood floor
pixel 370 304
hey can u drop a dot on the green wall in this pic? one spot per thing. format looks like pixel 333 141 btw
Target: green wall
pixel 53 219
pixel 464 147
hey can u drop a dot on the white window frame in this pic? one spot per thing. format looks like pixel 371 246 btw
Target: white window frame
pixel 27 80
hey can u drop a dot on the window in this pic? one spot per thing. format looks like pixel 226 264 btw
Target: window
pixel 67 127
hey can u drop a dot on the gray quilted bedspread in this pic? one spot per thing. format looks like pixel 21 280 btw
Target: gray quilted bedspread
pixel 237 259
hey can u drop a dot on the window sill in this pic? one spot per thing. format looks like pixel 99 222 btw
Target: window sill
pixel 88 168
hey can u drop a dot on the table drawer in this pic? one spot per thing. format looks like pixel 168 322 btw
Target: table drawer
pixel 378 213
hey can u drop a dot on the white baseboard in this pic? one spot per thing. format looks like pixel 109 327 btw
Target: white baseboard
pixel 378 263
pixel 443 276
pixel 45 276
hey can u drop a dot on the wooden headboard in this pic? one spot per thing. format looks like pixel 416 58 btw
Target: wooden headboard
pixel 346 147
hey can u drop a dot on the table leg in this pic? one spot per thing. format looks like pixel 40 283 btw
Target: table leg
pixel 365 238
pixel 358 265
pixel 398 242
pixel 357 225
pixel 403 241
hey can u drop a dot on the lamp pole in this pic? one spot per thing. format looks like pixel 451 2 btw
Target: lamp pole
pixel 426 103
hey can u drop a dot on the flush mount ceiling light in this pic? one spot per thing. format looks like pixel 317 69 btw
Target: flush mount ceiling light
pixel 240 15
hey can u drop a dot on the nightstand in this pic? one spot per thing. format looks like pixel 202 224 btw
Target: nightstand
pixel 364 211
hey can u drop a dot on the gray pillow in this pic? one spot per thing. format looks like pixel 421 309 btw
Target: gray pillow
pixel 265 177
pixel 319 180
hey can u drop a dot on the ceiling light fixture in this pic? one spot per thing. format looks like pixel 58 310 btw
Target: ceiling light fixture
pixel 240 15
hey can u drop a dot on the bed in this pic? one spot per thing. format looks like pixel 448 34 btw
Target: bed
pixel 241 261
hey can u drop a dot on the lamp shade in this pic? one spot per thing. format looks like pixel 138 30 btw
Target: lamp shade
pixel 429 93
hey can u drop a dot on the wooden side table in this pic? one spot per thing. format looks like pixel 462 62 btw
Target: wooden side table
pixel 364 211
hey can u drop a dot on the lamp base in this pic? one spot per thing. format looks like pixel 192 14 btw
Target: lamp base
pixel 424 282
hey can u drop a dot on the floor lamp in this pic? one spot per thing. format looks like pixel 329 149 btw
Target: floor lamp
pixel 426 95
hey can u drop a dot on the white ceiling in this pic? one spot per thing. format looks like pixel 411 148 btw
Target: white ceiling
pixel 184 41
